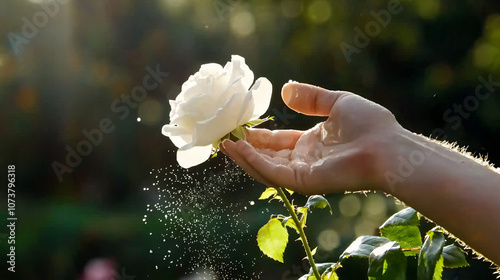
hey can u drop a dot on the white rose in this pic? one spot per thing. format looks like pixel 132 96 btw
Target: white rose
pixel 212 103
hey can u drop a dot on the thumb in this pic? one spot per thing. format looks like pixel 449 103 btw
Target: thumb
pixel 310 100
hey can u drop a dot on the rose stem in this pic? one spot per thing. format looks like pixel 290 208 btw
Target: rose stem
pixel 303 237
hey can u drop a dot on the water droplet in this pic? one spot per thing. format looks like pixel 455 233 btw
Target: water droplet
pixel 201 221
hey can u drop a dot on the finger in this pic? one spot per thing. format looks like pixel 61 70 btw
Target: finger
pixel 274 140
pixel 229 148
pixel 309 99
pixel 272 173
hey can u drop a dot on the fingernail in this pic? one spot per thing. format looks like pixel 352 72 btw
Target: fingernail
pixel 223 143
pixel 286 93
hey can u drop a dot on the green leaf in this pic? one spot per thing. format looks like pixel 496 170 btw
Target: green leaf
pixel 387 262
pixel 363 246
pixel 322 268
pixel 307 276
pixel 454 257
pixel 277 197
pixel 331 275
pixel 288 221
pixel 256 122
pixel 430 260
pixel 239 133
pixel 268 193
pixel 303 219
pixel 317 201
pixel 215 145
pixel 438 271
pixel 285 220
pixel 406 236
pixel 405 217
pixel 330 272
pixel 403 228
pixel 302 210
pixel 272 239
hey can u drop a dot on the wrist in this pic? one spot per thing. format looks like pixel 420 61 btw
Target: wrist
pixel 399 153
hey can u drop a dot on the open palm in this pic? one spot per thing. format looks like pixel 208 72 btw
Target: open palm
pixel 338 154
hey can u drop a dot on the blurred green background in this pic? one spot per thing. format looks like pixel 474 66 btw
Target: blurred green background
pixel 64 63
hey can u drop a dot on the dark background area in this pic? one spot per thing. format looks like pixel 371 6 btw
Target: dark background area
pixel 429 58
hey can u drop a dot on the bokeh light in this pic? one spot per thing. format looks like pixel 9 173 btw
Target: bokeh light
pixel 319 11
pixel 365 227
pixel 428 9
pixel 375 208
pixel 150 111
pixel 328 240
pixel 486 55
pixel 350 205
pixel 242 23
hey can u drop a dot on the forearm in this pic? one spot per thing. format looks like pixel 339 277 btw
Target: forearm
pixel 452 189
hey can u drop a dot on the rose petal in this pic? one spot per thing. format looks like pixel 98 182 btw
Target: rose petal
pixel 185 86
pixel 210 69
pixel 181 141
pixel 194 107
pixel 204 75
pixel 220 84
pixel 193 156
pixel 261 91
pixel 194 89
pixel 179 136
pixel 236 87
pixel 246 110
pixel 209 99
pixel 227 118
pixel 186 120
pixel 173 130
pixel 238 68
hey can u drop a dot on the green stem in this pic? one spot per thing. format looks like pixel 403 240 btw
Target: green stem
pixel 303 237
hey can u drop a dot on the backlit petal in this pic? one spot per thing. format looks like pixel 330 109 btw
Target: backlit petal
pixel 193 156
pixel 262 91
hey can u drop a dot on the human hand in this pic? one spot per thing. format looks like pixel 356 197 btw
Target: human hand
pixel 355 148
pixel 340 154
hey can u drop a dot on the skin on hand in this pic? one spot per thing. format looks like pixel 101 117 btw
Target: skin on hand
pixel 362 147
pixel 337 155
